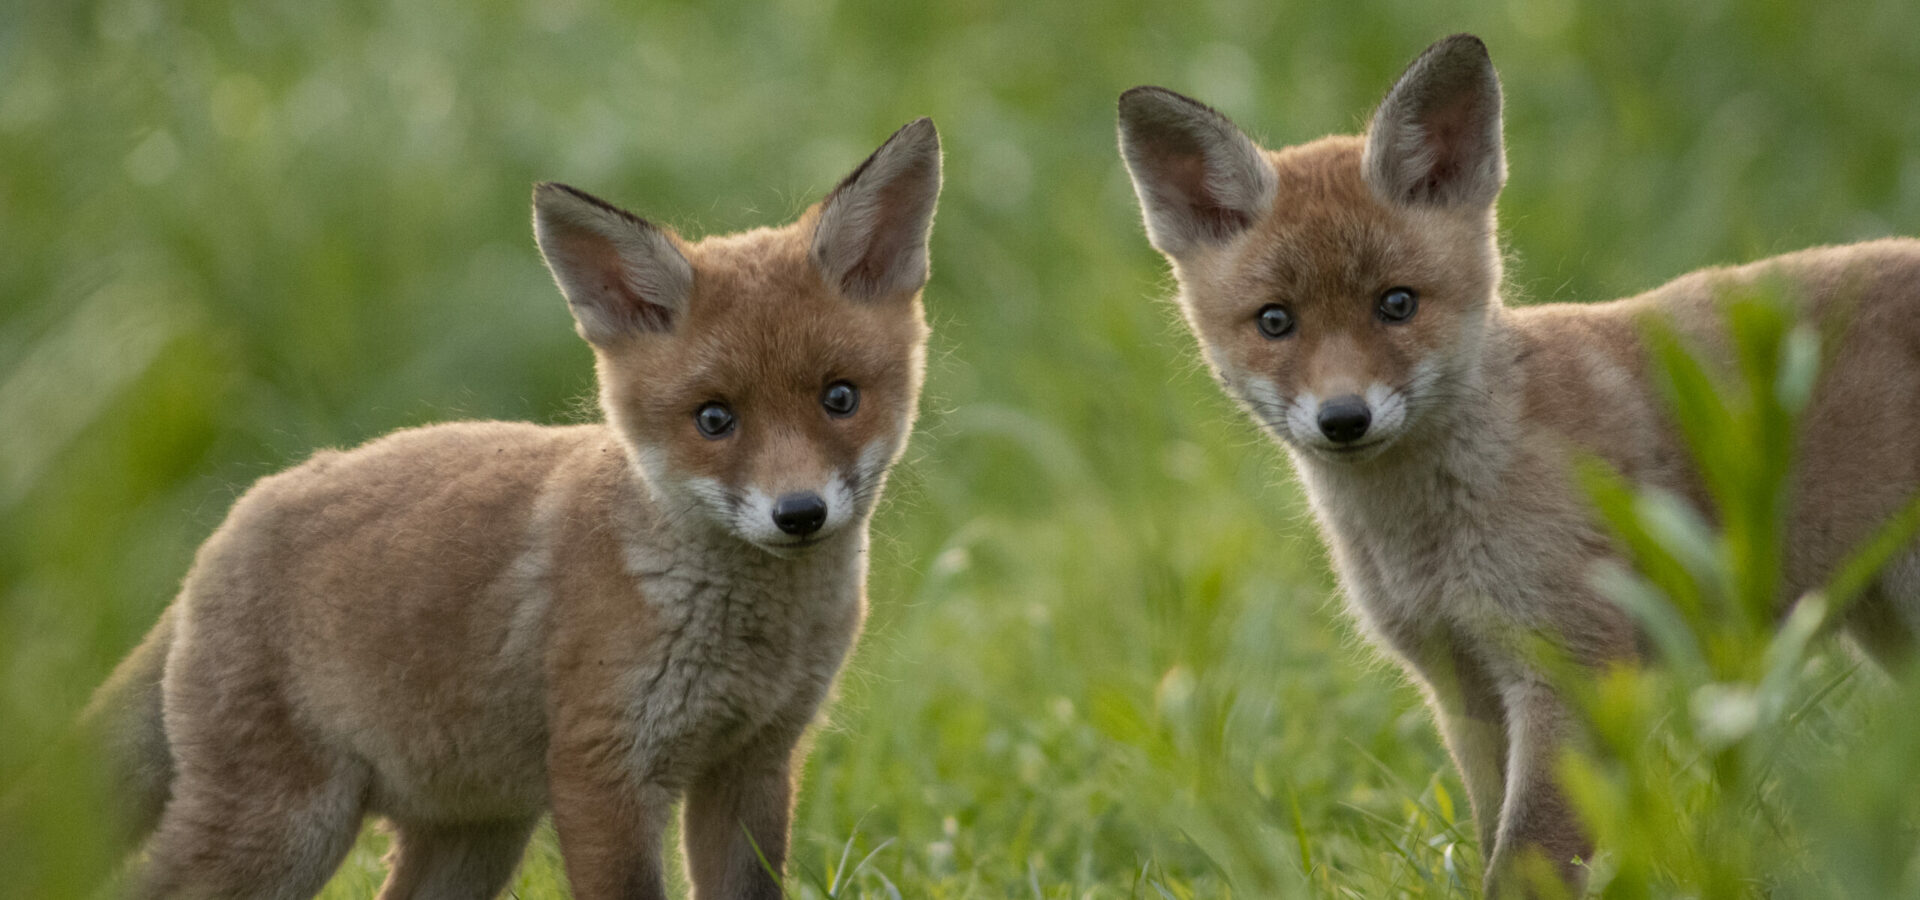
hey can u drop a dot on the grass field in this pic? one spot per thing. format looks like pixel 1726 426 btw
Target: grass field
pixel 1105 657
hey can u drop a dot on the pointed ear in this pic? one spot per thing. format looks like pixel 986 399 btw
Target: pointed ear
pixel 870 239
pixel 1435 140
pixel 620 274
pixel 1199 178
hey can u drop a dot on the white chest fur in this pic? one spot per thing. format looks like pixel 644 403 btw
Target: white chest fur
pixel 746 649
pixel 1473 540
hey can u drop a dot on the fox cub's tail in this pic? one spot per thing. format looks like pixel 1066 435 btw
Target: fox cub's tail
pixel 122 727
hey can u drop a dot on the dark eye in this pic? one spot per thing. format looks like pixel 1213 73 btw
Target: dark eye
pixel 840 399
pixel 714 420
pixel 1398 304
pixel 1274 320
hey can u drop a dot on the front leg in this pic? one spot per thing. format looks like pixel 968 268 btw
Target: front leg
pixel 1469 711
pixel 735 823
pixel 609 820
pixel 1541 848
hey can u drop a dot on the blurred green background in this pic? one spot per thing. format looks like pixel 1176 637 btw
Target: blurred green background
pixel 1105 657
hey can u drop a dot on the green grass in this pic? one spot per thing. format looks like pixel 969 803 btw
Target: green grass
pixel 1105 658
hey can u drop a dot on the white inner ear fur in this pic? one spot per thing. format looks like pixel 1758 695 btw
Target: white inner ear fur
pixel 871 237
pixel 620 275
pixel 1165 139
pixel 1436 138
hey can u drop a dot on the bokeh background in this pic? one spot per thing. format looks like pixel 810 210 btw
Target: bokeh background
pixel 1105 658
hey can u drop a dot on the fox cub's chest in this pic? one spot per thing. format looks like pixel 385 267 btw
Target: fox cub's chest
pixel 1435 552
pixel 742 654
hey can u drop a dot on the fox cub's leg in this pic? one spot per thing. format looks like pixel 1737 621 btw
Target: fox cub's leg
pixel 469 861
pixel 749 795
pixel 609 821
pixel 252 837
pixel 1541 848
pixel 1885 619
pixel 257 811
pixel 1473 722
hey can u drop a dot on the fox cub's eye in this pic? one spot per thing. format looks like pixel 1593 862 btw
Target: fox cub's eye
pixel 1274 320
pixel 1398 304
pixel 714 420
pixel 840 399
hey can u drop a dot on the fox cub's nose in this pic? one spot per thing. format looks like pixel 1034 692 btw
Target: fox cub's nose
pixel 1344 419
pixel 800 514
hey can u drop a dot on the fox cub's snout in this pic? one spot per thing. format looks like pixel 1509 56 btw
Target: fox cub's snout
pixel 1344 316
pixel 763 381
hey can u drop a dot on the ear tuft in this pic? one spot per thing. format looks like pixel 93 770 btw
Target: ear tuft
pixel 870 240
pixel 1199 178
pixel 621 275
pixel 1436 139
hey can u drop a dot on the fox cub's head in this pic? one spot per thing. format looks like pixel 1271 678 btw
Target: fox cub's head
pixel 1340 288
pixel 763 382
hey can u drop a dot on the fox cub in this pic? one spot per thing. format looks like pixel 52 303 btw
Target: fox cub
pixel 1347 293
pixel 461 626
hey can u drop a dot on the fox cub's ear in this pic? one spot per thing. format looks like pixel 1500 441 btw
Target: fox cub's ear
pixel 1199 178
pixel 1436 138
pixel 870 240
pixel 621 275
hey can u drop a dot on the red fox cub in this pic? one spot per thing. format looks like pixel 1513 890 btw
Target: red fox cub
pixel 1347 293
pixel 461 626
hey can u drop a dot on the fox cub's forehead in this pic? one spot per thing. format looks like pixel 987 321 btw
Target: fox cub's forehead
pixel 1327 234
pixel 800 338
pixel 1320 255
pixel 760 313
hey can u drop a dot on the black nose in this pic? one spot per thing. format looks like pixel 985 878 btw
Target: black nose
pixel 1344 419
pixel 801 513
